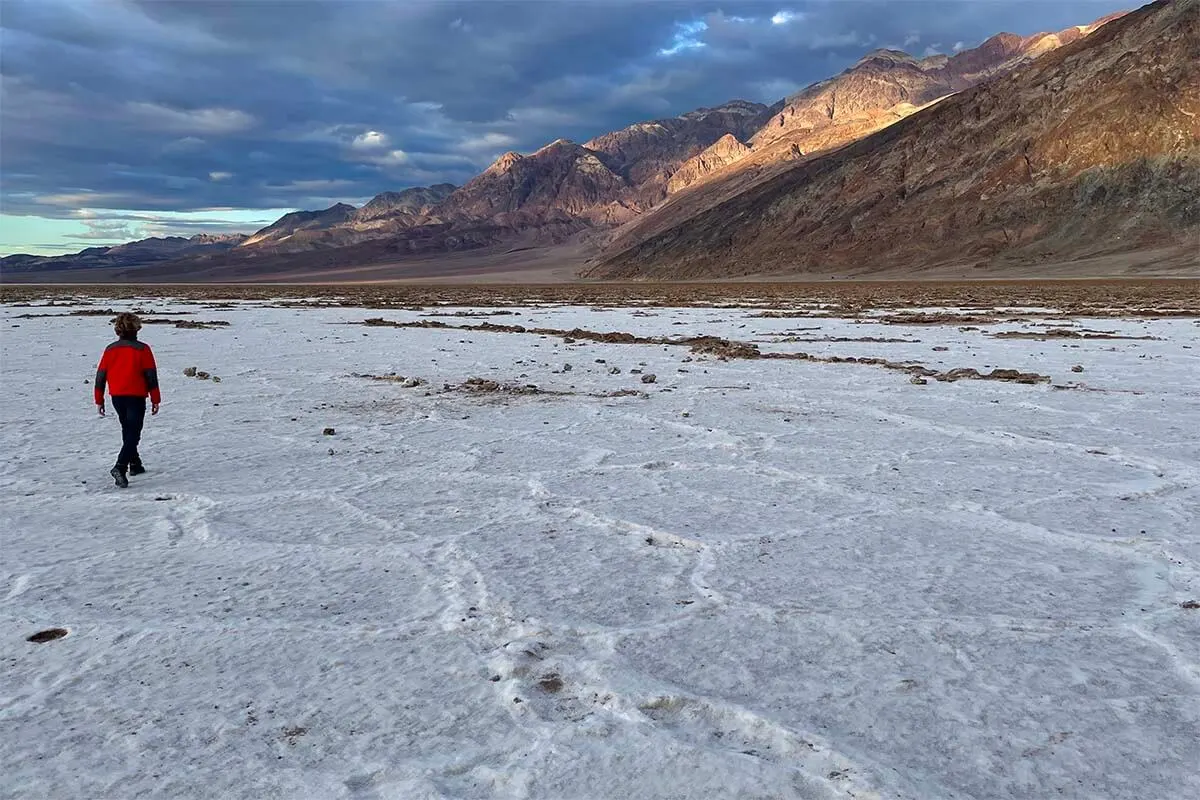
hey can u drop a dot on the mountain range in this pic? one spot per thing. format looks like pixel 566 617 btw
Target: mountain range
pixel 1021 152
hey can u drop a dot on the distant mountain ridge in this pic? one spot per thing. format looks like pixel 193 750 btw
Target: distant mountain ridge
pixel 624 188
pixel 130 254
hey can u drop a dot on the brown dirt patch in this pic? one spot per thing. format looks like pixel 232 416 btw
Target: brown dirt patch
pixel 551 684
pixel 1065 333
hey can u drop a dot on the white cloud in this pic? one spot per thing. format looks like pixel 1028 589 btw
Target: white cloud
pixel 219 176
pixel 111 230
pixel 320 185
pixel 187 144
pixel 784 17
pixel 371 140
pixel 84 198
pixel 488 142
pixel 912 39
pixel 392 158
pixel 959 47
pixel 200 120
pixel 686 37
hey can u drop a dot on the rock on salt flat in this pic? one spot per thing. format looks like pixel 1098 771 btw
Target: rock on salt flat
pixel 751 578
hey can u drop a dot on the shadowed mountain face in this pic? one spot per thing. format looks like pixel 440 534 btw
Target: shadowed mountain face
pixel 298 222
pixel 414 202
pixel 649 153
pixel 1091 149
pixel 561 180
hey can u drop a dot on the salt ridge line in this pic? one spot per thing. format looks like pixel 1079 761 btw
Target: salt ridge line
pixel 726 349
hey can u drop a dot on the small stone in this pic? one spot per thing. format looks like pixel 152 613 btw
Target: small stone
pixel 918 380
pixel 202 375
pixel 635 371
pixel 216 379
pixel 331 451
pixel 1077 368
pixel 614 370
pixel 649 378
pixel 567 367
pixel 190 372
pixel 941 349
pixel 328 432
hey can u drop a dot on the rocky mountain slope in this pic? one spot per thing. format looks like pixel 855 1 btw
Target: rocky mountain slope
pixel 882 88
pixel 1092 148
pixel 622 178
pixel 623 189
pixel 721 153
pixel 298 222
pixel 649 153
pixel 415 202
pixel 562 179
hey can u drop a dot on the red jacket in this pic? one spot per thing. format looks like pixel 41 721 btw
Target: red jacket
pixel 128 368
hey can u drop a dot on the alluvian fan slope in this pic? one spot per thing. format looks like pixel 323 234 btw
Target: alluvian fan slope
pixel 1091 149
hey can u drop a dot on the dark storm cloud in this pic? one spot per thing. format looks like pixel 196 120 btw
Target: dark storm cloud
pixel 167 106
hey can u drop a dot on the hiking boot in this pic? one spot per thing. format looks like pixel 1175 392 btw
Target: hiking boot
pixel 136 469
pixel 119 476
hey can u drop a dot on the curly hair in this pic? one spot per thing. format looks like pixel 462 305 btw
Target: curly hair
pixel 127 325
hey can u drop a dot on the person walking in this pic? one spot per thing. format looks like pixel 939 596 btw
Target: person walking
pixel 127 368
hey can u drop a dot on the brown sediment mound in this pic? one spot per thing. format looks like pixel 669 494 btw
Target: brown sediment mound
pixel 614 337
pixel 498 312
pixel 406 382
pixel 872 339
pixel 801 314
pixel 724 348
pixel 1064 333
pixel 487 386
pixel 159 320
pixel 620 393
pixel 188 323
pixel 720 348
pixel 940 318
pixel 1010 375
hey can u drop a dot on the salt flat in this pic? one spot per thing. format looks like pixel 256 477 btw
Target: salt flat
pixel 757 579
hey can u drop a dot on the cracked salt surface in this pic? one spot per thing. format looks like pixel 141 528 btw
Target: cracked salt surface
pixel 774 579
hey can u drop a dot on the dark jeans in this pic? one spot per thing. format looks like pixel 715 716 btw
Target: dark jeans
pixel 132 413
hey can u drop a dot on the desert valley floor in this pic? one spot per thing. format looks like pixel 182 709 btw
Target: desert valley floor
pixel 518 566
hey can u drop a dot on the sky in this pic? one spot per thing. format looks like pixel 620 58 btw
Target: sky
pixel 121 119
